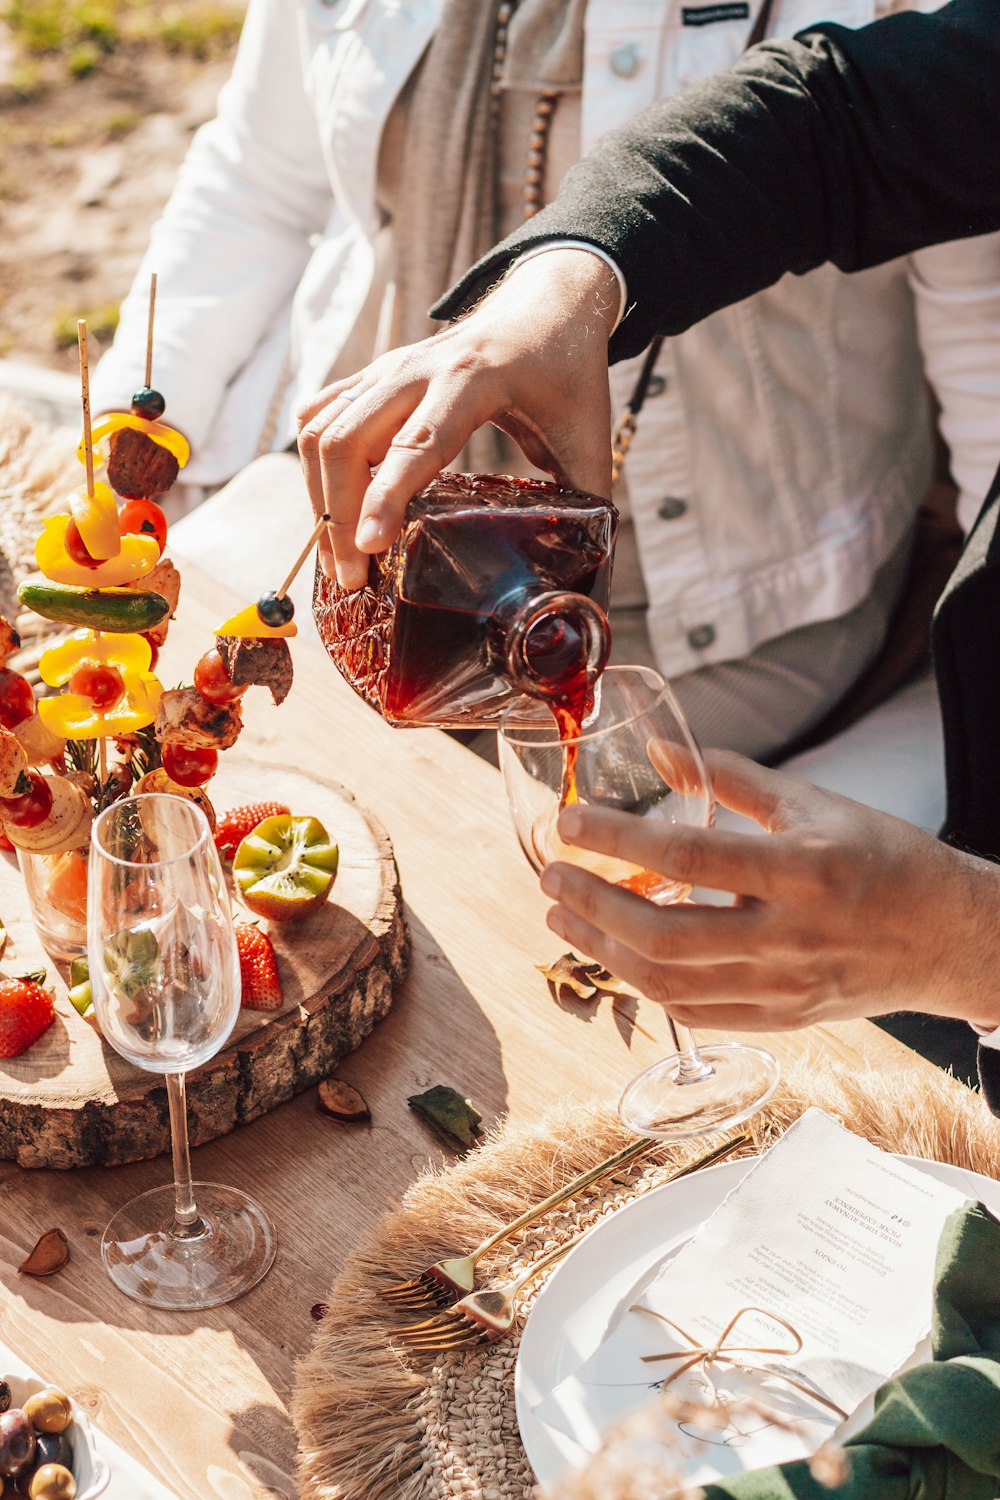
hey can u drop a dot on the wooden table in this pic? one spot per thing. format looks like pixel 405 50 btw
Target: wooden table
pixel 201 1399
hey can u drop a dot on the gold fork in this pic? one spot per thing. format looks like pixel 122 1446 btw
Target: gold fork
pixel 486 1316
pixel 442 1282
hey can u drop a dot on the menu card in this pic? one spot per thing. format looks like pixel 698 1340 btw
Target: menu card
pixel 829 1244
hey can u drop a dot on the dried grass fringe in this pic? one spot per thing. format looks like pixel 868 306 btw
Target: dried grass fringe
pixel 38 468
pixel 374 1427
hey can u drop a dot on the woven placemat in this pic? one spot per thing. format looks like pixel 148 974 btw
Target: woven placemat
pixel 374 1425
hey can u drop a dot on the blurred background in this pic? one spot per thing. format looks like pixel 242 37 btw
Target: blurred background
pixel 98 100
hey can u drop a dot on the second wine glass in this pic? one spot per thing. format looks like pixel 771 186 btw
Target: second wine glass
pixel 165 976
pixel 635 753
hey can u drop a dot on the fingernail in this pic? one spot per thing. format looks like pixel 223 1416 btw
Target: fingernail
pixel 368 534
pixel 551 882
pixel 571 822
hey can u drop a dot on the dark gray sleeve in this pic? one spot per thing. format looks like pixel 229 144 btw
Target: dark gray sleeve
pixel 840 145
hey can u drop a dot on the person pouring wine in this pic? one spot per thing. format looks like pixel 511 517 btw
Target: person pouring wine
pixel 839 146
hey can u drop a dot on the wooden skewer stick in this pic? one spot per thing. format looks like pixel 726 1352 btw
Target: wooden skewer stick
pixel 102 742
pixel 88 441
pixel 324 520
pixel 149 329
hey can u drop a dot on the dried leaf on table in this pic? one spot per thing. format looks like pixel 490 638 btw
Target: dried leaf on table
pixel 571 973
pixel 341 1101
pixel 590 982
pixel 48 1256
pixel 454 1119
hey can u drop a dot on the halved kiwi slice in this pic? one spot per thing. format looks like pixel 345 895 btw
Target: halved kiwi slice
pixel 285 867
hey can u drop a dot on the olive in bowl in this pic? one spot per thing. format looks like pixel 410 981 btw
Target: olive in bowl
pixel 46 1445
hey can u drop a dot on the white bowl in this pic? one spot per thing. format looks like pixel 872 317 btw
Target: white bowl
pixel 91 1473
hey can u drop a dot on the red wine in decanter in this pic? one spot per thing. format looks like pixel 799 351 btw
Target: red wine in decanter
pixel 495 587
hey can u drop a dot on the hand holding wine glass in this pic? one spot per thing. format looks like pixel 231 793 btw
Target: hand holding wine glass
pixel 634 754
pixel 165 978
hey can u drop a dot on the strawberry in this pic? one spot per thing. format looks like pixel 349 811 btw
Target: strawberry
pixel 259 978
pixel 26 1010
pixel 234 825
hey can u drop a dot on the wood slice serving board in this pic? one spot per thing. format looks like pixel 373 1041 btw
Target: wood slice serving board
pixel 71 1101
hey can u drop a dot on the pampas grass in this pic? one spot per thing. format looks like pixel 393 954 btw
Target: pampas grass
pixel 38 469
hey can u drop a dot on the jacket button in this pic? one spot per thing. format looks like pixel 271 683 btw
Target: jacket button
pixel 625 60
pixel 657 385
pixel 701 636
pixel 672 507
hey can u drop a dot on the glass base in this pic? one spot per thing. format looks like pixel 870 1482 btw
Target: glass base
pixel 225 1253
pixel 662 1103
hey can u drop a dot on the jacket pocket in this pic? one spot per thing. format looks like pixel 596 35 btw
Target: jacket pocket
pixel 624 52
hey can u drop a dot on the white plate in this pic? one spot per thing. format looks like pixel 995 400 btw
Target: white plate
pixel 617 1257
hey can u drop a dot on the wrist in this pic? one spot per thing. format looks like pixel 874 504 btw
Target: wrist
pixel 969 923
pixel 586 277
pixel 551 246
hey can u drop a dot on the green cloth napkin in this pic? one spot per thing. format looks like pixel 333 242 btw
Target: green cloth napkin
pixel 935 1434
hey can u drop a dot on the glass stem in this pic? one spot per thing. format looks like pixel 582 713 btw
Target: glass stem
pixel 185 1208
pixel 691 1066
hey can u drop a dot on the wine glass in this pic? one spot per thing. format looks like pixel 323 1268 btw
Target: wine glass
pixel 165 977
pixel 635 753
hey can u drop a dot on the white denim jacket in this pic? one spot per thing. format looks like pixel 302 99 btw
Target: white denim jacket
pixel 787 443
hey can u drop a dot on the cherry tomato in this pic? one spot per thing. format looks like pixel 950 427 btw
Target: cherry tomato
pixel 145 518
pixel 212 680
pixel 189 765
pixel 154 650
pixel 5 843
pixel 17 700
pixel 102 683
pixel 77 548
pixel 31 809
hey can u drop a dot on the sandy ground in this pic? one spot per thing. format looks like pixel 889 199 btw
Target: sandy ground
pixel 85 168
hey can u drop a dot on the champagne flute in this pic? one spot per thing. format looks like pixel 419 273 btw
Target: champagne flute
pixel 635 753
pixel 165 977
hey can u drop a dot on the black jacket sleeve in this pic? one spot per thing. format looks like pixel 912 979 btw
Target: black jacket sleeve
pixel 840 145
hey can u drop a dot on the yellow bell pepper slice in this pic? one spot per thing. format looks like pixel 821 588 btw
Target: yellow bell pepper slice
pixel 167 437
pixel 248 625
pixel 74 714
pixel 138 556
pixel 128 653
pixel 96 518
